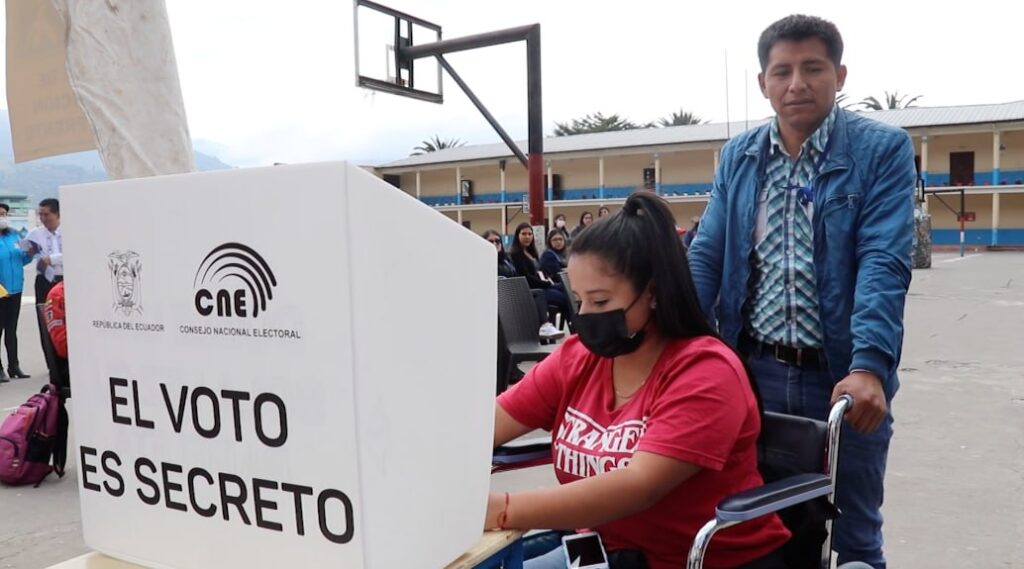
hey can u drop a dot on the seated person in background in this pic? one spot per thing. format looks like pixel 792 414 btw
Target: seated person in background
pixel 586 218
pixel 560 225
pixel 692 233
pixel 524 257
pixel 505 267
pixel 553 260
pixel 654 418
pixel 56 327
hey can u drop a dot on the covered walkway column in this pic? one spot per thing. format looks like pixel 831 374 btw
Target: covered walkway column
pixel 501 177
pixel 997 143
pixel 657 174
pixel 600 177
pixel 549 183
pixel 418 184
pixel 995 218
pixel 924 159
pixel 458 187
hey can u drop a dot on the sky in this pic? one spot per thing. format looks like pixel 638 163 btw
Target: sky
pixel 269 81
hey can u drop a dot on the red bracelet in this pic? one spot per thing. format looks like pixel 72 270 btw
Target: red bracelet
pixel 503 516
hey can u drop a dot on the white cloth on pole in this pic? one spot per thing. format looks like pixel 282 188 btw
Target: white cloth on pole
pixel 121 65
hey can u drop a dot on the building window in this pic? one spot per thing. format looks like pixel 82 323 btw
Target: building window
pixel 649 178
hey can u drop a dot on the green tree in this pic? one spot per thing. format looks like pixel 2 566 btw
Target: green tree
pixel 436 143
pixel 892 101
pixel 596 122
pixel 681 118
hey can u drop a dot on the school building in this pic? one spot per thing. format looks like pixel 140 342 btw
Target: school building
pixel 979 148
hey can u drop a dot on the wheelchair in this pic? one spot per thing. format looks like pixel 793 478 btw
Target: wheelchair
pixel 798 458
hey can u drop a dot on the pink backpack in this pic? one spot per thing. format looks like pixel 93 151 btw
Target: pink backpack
pixel 32 435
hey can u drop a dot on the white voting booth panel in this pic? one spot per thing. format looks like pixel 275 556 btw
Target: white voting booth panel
pixel 278 367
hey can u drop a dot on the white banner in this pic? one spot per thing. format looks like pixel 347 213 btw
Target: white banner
pixel 46 119
pixel 254 388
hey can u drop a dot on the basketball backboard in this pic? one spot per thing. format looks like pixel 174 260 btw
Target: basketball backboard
pixel 379 32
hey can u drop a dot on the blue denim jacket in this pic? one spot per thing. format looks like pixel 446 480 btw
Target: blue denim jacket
pixel 863 226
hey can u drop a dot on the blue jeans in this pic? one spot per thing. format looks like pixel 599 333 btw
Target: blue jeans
pixel 554 559
pixel 859 487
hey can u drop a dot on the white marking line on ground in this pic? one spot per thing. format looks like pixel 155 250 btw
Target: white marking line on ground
pixel 28 300
pixel 955 259
pixel 9 409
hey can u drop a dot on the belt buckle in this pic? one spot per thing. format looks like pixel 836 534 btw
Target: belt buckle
pixel 796 361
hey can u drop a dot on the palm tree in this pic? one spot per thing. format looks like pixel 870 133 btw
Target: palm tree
pixel 596 122
pixel 892 101
pixel 681 118
pixel 436 143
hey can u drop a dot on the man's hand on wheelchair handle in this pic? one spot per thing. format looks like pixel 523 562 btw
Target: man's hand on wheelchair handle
pixel 869 407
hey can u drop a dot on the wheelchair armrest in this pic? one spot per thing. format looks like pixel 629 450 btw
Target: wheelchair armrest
pixel 514 454
pixel 521 453
pixel 773 497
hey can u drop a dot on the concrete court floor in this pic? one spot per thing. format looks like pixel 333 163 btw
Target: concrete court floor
pixel 955 485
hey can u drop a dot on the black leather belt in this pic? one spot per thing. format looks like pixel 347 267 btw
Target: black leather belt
pixel 810 358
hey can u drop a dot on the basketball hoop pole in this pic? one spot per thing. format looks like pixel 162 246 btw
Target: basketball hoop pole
pixel 535 142
pixel 961 216
pixel 535 127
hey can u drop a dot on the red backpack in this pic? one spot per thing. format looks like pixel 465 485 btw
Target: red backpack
pixel 32 436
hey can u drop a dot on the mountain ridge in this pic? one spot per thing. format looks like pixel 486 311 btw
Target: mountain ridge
pixel 41 178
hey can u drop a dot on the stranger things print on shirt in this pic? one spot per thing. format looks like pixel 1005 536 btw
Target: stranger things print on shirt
pixel 584 448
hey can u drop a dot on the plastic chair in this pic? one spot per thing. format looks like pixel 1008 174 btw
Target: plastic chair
pixel 58 367
pixel 519 327
pixel 574 303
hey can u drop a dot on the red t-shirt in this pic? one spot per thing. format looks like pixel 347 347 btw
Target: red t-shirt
pixel 696 406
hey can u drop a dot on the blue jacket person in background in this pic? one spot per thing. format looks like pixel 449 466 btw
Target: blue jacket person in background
pixel 803 259
pixel 12 277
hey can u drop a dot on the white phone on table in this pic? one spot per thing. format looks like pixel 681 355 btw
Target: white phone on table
pixel 584 551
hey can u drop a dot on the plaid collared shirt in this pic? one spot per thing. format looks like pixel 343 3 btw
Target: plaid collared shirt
pixel 783 307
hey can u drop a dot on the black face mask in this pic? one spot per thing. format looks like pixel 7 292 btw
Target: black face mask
pixel 605 333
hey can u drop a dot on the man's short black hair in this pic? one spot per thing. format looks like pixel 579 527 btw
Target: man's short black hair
pixel 5 207
pixel 51 204
pixel 799 27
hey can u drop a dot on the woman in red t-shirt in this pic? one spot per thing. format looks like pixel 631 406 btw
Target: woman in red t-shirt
pixel 653 418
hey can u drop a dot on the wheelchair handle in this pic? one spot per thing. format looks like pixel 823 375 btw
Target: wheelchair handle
pixel 843 405
pixel 835 427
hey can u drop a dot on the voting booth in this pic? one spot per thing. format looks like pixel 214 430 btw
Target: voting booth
pixel 278 367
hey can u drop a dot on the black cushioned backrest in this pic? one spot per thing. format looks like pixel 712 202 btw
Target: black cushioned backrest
pixel 791 445
pixel 58 373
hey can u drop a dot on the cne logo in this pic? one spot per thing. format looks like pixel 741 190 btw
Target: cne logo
pixel 233 281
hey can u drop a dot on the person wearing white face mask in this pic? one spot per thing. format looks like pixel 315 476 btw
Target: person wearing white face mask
pixel 12 279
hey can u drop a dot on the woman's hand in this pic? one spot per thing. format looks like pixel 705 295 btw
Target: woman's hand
pixel 495 506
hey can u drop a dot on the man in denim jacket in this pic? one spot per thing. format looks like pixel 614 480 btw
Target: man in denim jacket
pixel 803 258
